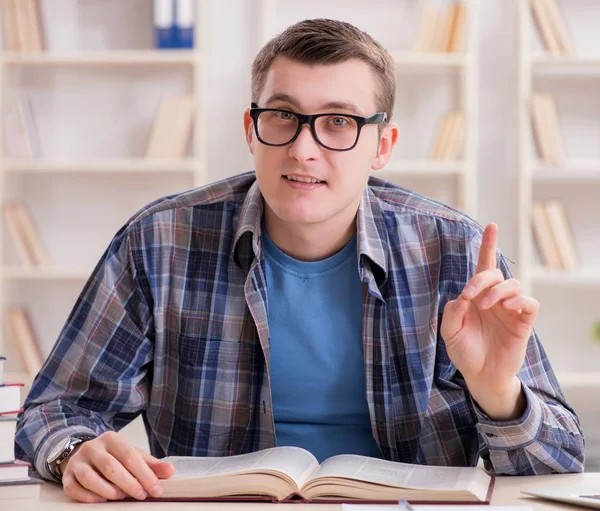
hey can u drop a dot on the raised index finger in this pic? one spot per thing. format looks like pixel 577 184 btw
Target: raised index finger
pixel 487 251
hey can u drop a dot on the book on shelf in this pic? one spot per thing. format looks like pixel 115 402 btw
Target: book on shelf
pixel 551 27
pixel 172 128
pixel 553 235
pixel 450 137
pixel 21 135
pixel 22 335
pixel 441 31
pixel 284 474
pixel 164 24
pixel 23 27
pixel 546 129
pixel 25 235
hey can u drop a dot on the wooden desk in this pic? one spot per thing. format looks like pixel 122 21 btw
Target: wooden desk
pixel 506 493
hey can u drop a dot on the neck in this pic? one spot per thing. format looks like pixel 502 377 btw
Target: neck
pixel 310 242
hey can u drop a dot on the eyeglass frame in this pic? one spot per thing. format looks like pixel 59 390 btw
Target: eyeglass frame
pixel 310 119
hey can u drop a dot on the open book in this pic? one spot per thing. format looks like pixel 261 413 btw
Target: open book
pixel 282 474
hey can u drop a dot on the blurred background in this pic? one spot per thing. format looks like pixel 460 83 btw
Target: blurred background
pixel 109 104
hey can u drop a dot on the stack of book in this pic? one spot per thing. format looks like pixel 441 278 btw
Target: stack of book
pixel 15 480
pixel 24 235
pixel 546 130
pixel 551 27
pixel 450 137
pixel 172 129
pixel 23 30
pixel 553 236
pixel 441 32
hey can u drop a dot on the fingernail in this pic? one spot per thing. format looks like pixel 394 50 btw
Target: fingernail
pixel 142 495
pixel 156 491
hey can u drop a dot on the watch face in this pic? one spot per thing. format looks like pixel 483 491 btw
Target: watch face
pixel 57 449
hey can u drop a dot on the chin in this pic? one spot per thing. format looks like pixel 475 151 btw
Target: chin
pixel 301 215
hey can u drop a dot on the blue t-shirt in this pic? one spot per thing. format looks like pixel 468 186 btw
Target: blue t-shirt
pixel 317 361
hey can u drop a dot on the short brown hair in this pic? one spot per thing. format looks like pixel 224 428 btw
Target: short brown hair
pixel 326 41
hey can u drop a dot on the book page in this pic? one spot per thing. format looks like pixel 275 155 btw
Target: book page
pixel 297 463
pixel 396 474
pixel 446 507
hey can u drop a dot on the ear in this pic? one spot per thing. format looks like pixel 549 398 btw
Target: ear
pixel 249 129
pixel 387 141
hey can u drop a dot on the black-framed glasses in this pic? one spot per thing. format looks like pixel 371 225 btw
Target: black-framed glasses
pixel 336 132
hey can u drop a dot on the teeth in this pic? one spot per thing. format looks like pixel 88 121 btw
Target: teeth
pixel 303 179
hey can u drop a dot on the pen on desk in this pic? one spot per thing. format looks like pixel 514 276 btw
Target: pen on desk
pixel 405 505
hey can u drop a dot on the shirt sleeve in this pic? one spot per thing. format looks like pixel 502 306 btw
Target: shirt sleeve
pixel 95 378
pixel 548 437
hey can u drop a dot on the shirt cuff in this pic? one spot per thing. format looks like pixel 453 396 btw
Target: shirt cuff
pixel 517 433
pixel 41 456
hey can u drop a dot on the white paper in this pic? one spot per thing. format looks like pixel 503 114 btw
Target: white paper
pixel 444 507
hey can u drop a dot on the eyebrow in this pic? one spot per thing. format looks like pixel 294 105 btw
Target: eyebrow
pixel 330 105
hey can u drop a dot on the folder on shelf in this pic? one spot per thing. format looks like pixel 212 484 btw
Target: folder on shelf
pixel 426 31
pixel 14 230
pixel 23 25
pixel 25 235
pixel 21 333
pixel 21 136
pixel 546 129
pixel 558 27
pixel 164 24
pixel 457 34
pixel 444 27
pixel 9 27
pixel 184 23
pixel 543 20
pixel 543 236
pixel 172 128
pixel 563 236
pixel 450 137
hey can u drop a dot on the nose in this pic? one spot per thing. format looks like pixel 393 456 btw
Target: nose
pixel 305 147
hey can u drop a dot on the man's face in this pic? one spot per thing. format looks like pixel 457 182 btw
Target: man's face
pixel 345 88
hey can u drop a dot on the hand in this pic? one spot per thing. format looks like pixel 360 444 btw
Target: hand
pixel 486 331
pixel 109 468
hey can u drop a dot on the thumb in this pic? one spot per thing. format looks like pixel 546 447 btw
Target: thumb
pixel 453 319
pixel 162 469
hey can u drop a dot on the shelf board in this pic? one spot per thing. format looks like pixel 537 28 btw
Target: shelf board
pixel 583 169
pixel 565 64
pixel 140 165
pixel 578 379
pixel 428 60
pixel 114 57
pixel 43 273
pixel 585 276
pixel 424 167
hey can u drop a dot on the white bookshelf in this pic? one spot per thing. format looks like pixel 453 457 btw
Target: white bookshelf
pixel 97 58
pixel 460 69
pixel 567 298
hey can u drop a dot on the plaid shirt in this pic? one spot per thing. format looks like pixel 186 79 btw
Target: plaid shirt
pixel 172 324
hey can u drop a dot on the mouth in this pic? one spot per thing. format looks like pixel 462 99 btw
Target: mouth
pixel 303 179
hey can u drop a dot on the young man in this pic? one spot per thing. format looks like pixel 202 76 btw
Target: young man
pixel 305 303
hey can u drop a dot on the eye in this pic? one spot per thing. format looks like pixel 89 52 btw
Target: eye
pixel 285 116
pixel 338 121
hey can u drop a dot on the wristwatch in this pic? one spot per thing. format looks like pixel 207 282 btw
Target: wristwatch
pixel 61 451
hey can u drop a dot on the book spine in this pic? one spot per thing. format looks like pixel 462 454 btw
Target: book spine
pixel 164 24
pixel 184 23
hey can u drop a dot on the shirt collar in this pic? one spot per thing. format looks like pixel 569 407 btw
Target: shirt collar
pixel 372 236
